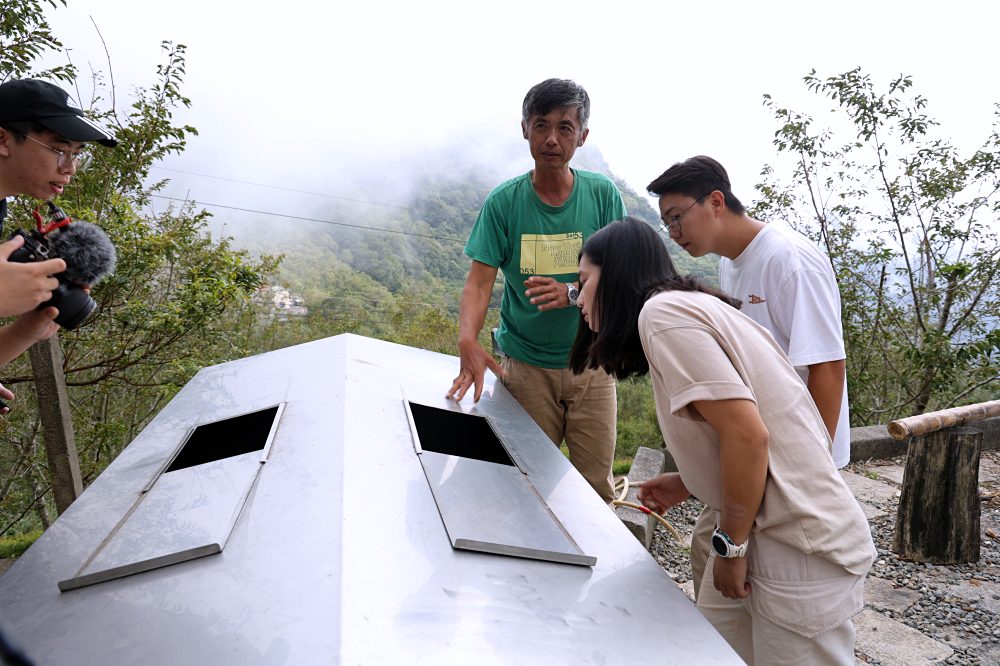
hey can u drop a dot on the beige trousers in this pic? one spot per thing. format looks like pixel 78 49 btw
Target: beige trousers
pixel 798 612
pixel 701 546
pixel 580 409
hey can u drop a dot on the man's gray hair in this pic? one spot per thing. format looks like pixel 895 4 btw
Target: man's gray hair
pixel 555 94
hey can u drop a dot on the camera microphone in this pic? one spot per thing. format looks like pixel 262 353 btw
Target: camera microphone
pixel 89 256
pixel 87 251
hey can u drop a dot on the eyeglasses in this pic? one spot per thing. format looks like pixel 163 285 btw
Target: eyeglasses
pixel 672 223
pixel 79 160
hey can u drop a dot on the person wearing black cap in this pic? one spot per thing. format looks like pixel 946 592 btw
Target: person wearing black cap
pixel 42 143
pixel 42 139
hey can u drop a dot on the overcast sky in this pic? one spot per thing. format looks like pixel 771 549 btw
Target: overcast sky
pixel 298 94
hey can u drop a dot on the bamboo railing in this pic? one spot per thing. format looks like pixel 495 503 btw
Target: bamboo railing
pixel 922 424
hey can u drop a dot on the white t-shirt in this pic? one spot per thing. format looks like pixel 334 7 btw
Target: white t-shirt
pixel 787 286
pixel 700 348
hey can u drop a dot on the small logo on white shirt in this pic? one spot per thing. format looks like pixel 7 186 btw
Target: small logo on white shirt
pixel 756 300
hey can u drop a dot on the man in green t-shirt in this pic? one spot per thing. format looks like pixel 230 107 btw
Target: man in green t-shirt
pixel 532 228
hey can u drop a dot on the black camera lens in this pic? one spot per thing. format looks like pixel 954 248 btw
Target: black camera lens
pixel 73 303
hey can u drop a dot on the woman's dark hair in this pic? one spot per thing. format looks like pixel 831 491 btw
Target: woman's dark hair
pixel 634 266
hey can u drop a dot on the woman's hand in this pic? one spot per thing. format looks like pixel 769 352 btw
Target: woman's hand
pixel 730 576
pixel 662 492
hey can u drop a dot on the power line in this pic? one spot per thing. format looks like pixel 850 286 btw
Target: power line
pixel 453 239
pixel 378 301
pixel 286 189
pixel 325 306
pixel 330 305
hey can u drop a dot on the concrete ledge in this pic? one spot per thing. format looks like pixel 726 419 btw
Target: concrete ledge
pixel 869 442
pixel 893 642
pixel 646 464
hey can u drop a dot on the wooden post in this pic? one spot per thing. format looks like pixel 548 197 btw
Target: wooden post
pixel 938 517
pixel 57 424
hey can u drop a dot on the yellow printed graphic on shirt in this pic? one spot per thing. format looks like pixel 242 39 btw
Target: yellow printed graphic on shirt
pixel 553 254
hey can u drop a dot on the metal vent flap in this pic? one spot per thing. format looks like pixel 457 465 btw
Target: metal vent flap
pixel 190 507
pixel 486 500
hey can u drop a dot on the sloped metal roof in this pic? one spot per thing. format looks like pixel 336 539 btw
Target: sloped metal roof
pixel 337 552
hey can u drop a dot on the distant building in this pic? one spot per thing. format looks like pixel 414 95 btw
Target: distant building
pixel 281 303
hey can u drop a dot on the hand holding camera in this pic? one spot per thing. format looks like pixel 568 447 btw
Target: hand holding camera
pixel 86 255
pixel 23 287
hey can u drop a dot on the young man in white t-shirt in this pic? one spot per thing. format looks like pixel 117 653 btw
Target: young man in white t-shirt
pixel 785 282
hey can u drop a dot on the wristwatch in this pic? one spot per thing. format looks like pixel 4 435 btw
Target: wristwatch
pixel 573 292
pixel 724 546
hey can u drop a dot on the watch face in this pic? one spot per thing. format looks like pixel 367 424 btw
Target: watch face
pixel 720 546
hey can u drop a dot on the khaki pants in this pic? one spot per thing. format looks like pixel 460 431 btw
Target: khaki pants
pixel 701 546
pixel 580 409
pixel 798 612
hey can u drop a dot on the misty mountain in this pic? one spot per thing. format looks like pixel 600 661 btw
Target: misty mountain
pixel 402 230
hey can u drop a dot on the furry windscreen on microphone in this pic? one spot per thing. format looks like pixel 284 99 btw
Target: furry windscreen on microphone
pixel 87 251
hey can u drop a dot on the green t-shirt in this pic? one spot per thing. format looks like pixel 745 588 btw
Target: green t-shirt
pixel 523 236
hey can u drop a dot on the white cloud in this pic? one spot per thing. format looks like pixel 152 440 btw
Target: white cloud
pixel 300 93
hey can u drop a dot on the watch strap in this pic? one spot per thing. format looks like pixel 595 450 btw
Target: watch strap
pixel 572 293
pixel 730 549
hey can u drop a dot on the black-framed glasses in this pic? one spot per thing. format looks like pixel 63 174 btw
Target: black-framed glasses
pixel 672 223
pixel 80 160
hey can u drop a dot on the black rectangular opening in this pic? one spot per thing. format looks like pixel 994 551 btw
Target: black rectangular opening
pixel 457 434
pixel 225 439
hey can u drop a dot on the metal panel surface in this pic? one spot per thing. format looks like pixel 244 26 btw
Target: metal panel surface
pixel 339 555
pixel 416 600
pixel 187 513
pixel 492 508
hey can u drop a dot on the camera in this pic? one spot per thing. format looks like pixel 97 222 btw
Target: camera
pixel 87 251
pixel 74 304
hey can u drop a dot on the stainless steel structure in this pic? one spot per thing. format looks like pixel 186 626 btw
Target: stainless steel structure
pixel 337 552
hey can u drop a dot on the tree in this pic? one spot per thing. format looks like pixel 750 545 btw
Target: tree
pixel 179 300
pixel 24 36
pixel 911 228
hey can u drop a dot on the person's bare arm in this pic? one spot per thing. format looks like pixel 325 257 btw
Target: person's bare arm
pixel 743 442
pixel 472 314
pixel 826 386
pixel 26 330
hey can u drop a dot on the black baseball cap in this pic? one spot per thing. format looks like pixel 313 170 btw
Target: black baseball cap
pixel 47 104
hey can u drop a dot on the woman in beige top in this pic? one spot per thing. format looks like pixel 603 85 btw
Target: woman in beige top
pixel 791 545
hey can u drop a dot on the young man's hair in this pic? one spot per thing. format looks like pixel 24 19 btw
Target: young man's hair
pixel 21 128
pixel 555 94
pixel 635 266
pixel 696 177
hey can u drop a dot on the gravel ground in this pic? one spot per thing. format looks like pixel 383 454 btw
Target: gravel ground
pixel 958 605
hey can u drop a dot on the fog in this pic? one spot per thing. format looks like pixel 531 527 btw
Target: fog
pixel 351 99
